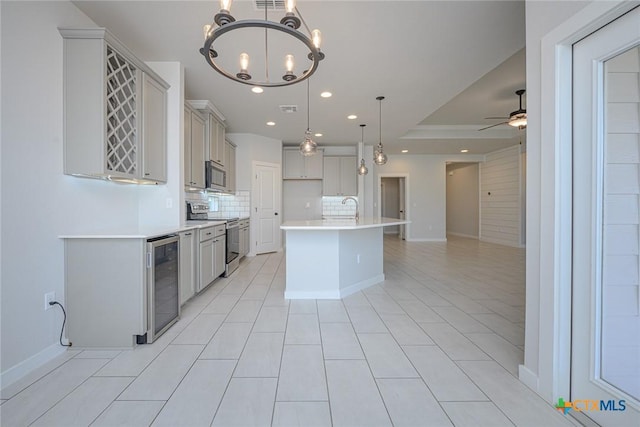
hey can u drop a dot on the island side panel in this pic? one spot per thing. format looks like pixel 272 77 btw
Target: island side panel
pixel 312 264
pixel 105 291
pixel 361 259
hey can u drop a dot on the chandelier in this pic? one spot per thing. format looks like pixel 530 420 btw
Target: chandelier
pixel 288 26
pixel 379 157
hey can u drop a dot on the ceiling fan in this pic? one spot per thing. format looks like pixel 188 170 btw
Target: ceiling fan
pixel 516 119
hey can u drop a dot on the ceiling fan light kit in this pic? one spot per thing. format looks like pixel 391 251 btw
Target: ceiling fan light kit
pixel 288 25
pixel 517 119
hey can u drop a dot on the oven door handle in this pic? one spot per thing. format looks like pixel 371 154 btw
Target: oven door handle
pixel 236 225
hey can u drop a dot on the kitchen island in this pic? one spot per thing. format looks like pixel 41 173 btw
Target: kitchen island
pixel 331 259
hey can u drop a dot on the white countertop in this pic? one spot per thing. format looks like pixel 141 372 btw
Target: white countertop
pixel 342 224
pixel 141 232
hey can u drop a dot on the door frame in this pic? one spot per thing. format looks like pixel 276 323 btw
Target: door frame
pixel 548 294
pixel 407 198
pixel 254 228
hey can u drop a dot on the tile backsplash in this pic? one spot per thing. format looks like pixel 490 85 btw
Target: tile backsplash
pixel 332 206
pixel 230 205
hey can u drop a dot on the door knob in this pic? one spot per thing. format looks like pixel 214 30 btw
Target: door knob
pixel 276 213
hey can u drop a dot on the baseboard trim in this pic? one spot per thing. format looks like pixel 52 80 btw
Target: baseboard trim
pixel 468 236
pixel 22 369
pixel 528 377
pixel 335 294
pixel 413 239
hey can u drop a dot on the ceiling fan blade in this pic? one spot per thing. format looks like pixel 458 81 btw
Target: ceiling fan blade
pixel 492 126
pixel 492 118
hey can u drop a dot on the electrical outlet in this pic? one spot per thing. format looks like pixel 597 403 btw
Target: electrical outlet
pixel 48 297
pixel 358 258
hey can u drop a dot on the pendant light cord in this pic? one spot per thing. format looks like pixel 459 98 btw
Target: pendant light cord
pixel 308 107
pixel 266 46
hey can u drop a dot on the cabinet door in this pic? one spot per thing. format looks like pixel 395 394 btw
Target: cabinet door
pixel 331 177
pixel 314 166
pixel 212 137
pixel 154 130
pixel 231 167
pixel 187 266
pixel 197 150
pixel 293 164
pixel 221 144
pixel 348 175
pixel 207 272
pixel 187 147
pixel 219 255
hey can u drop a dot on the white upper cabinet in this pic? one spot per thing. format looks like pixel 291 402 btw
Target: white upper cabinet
pixel 114 111
pixel 339 176
pixel 194 140
pixel 297 166
pixel 216 132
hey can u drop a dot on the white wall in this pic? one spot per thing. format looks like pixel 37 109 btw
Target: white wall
pixel 463 199
pixel 39 203
pixel 500 203
pixel 426 191
pixel 250 148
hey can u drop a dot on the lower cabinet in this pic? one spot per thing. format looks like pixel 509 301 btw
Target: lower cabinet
pixel 187 265
pixel 211 255
pixel 244 237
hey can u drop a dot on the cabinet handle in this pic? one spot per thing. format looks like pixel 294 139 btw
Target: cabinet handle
pixel 187 234
pixel 208 234
pixel 147 173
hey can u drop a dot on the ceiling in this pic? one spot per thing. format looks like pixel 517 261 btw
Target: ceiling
pixel 443 66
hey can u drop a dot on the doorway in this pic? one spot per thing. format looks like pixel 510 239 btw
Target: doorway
pixel 393 201
pixel 605 334
pixel 463 199
pixel 266 194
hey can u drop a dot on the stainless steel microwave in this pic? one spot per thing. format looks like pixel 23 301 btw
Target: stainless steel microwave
pixel 216 178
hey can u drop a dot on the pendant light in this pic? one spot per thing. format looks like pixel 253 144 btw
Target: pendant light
pixel 379 157
pixel 362 170
pixel 308 147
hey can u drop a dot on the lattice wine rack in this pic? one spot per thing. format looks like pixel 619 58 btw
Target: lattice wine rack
pixel 121 114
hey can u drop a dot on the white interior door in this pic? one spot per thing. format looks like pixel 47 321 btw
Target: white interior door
pixel 402 207
pixel 266 197
pixel 605 359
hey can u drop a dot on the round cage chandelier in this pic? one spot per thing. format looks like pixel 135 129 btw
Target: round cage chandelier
pixel 288 25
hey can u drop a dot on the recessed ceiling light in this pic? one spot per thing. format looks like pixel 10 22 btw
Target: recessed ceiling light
pixel 257 89
pixel 405 151
pixel 464 150
pixel 352 117
pixel 318 134
pixel 271 123
pixel 326 94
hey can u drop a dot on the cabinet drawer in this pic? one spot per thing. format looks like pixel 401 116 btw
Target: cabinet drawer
pixel 207 233
pixel 244 223
pixel 220 230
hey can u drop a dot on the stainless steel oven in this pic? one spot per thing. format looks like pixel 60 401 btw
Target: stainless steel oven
pixel 233 246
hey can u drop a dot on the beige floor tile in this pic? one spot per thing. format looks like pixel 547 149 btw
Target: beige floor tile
pixel 303 329
pixel 258 292
pixel 511 332
pixel 385 357
pixel 410 403
pixel 247 402
pixel 419 312
pixel 501 350
pixel 222 304
pixel 200 330
pixel 355 400
pixel 301 414
pixel 163 375
pixel 366 320
pixel 98 354
pixel 271 319
pixel 195 401
pixel 85 403
pixel 384 304
pixel 521 405
pixel 453 343
pixel 261 356
pixel 303 306
pixel 228 342
pixel 445 380
pixel 339 341
pixel 405 330
pixel 460 320
pixel 39 397
pixel 332 311
pixel 124 413
pixel 473 414
pixel 245 311
pixel 302 376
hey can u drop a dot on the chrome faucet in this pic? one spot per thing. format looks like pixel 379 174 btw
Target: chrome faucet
pixel 357 206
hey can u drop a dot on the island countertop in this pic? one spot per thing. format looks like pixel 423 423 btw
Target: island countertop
pixel 342 224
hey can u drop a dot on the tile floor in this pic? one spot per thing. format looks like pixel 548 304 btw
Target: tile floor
pixel 437 344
